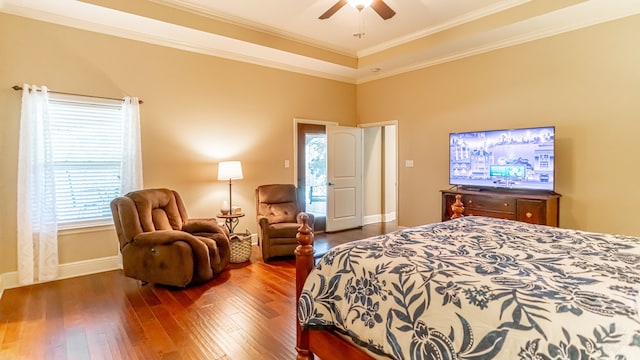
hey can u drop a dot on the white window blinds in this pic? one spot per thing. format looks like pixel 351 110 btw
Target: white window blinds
pixel 87 147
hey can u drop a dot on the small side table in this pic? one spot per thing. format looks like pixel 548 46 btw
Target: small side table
pixel 230 220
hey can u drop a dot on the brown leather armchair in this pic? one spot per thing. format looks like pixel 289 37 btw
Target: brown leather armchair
pixel 278 215
pixel 160 244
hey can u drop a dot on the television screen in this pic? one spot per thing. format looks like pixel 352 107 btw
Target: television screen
pixel 513 159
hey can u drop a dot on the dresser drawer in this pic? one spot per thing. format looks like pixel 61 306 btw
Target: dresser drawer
pixel 489 203
pixel 532 208
pixel 531 211
pixel 493 214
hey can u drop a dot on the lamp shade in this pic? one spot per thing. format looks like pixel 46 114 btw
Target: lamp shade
pixel 229 170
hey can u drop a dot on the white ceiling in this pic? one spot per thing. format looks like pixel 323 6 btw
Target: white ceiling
pixel 419 35
pixel 299 19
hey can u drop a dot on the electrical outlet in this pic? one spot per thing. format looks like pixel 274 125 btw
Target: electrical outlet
pixel 286 164
pixel 408 163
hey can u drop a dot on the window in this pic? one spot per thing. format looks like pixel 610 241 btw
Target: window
pixel 86 141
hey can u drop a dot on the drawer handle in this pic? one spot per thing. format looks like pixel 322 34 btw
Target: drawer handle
pixel 470 202
pixel 506 204
pixel 528 215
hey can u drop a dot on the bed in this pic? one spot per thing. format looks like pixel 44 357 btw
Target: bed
pixel 471 288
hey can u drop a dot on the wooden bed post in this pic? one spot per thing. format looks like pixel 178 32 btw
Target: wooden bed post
pixel 457 208
pixel 304 263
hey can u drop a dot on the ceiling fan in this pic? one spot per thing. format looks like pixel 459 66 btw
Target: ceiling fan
pixel 378 6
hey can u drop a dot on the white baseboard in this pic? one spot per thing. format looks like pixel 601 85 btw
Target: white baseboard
pixel 371 219
pixel 389 217
pixel 377 218
pixel 68 270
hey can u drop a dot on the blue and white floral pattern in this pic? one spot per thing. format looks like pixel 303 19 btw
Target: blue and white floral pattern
pixel 482 288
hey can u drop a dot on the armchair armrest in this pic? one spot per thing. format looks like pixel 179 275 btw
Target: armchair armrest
pixel 162 237
pixel 263 221
pixel 263 229
pixel 204 226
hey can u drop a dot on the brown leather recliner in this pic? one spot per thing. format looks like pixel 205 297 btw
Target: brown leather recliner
pixel 278 215
pixel 160 244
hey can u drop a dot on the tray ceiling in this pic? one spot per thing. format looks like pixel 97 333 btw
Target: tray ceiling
pixel 287 34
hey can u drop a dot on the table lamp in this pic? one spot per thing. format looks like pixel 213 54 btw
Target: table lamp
pixel 229 170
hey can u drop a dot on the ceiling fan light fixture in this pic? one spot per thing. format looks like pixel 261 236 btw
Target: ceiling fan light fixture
pixel 360 4
pixel 379 6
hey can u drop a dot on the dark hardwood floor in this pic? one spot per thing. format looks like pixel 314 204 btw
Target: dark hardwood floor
pixel 246 313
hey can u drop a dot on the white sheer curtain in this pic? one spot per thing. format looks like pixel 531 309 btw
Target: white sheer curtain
pixel 36 207
pixel 131 171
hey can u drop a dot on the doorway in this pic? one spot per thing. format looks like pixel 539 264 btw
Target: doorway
pixel 379 201
pixel 312 171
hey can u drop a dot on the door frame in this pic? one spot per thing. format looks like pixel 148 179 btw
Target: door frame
pixel 297 121
pixel 394 189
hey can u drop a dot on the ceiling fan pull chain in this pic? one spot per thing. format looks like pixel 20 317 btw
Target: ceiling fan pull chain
pixel 360 32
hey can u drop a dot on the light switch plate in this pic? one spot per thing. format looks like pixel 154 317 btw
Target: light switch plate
pixel 286 164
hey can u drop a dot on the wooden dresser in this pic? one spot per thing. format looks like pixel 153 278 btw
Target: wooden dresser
pixel 534 208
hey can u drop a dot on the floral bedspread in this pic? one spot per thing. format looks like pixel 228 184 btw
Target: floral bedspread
pixel 482 288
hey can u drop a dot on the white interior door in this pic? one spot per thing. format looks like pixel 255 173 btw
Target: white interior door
pixel 344 178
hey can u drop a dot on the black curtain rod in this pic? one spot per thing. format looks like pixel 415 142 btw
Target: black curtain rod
pixel 18 88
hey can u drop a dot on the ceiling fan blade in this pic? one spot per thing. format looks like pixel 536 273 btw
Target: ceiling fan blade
pixel 332 10
pixel 382 9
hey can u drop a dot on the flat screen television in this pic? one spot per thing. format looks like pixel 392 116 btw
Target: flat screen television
pixel 519 159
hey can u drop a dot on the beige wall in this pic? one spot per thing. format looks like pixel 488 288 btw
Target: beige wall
pixel 198 110
pixel 372 172
pixel 586 83
pixel 390 180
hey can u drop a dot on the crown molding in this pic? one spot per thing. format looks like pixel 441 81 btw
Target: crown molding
pixel 89 17
pixel 457 21
pixel 234 20
pixel 112 22
pixel 592 13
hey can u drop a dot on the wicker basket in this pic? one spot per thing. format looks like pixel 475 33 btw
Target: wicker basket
pixel 240 247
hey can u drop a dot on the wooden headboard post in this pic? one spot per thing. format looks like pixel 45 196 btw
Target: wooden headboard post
pixel 304 263
pixel 457 208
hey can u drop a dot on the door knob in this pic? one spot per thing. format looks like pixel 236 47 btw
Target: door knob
pixel 330 184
